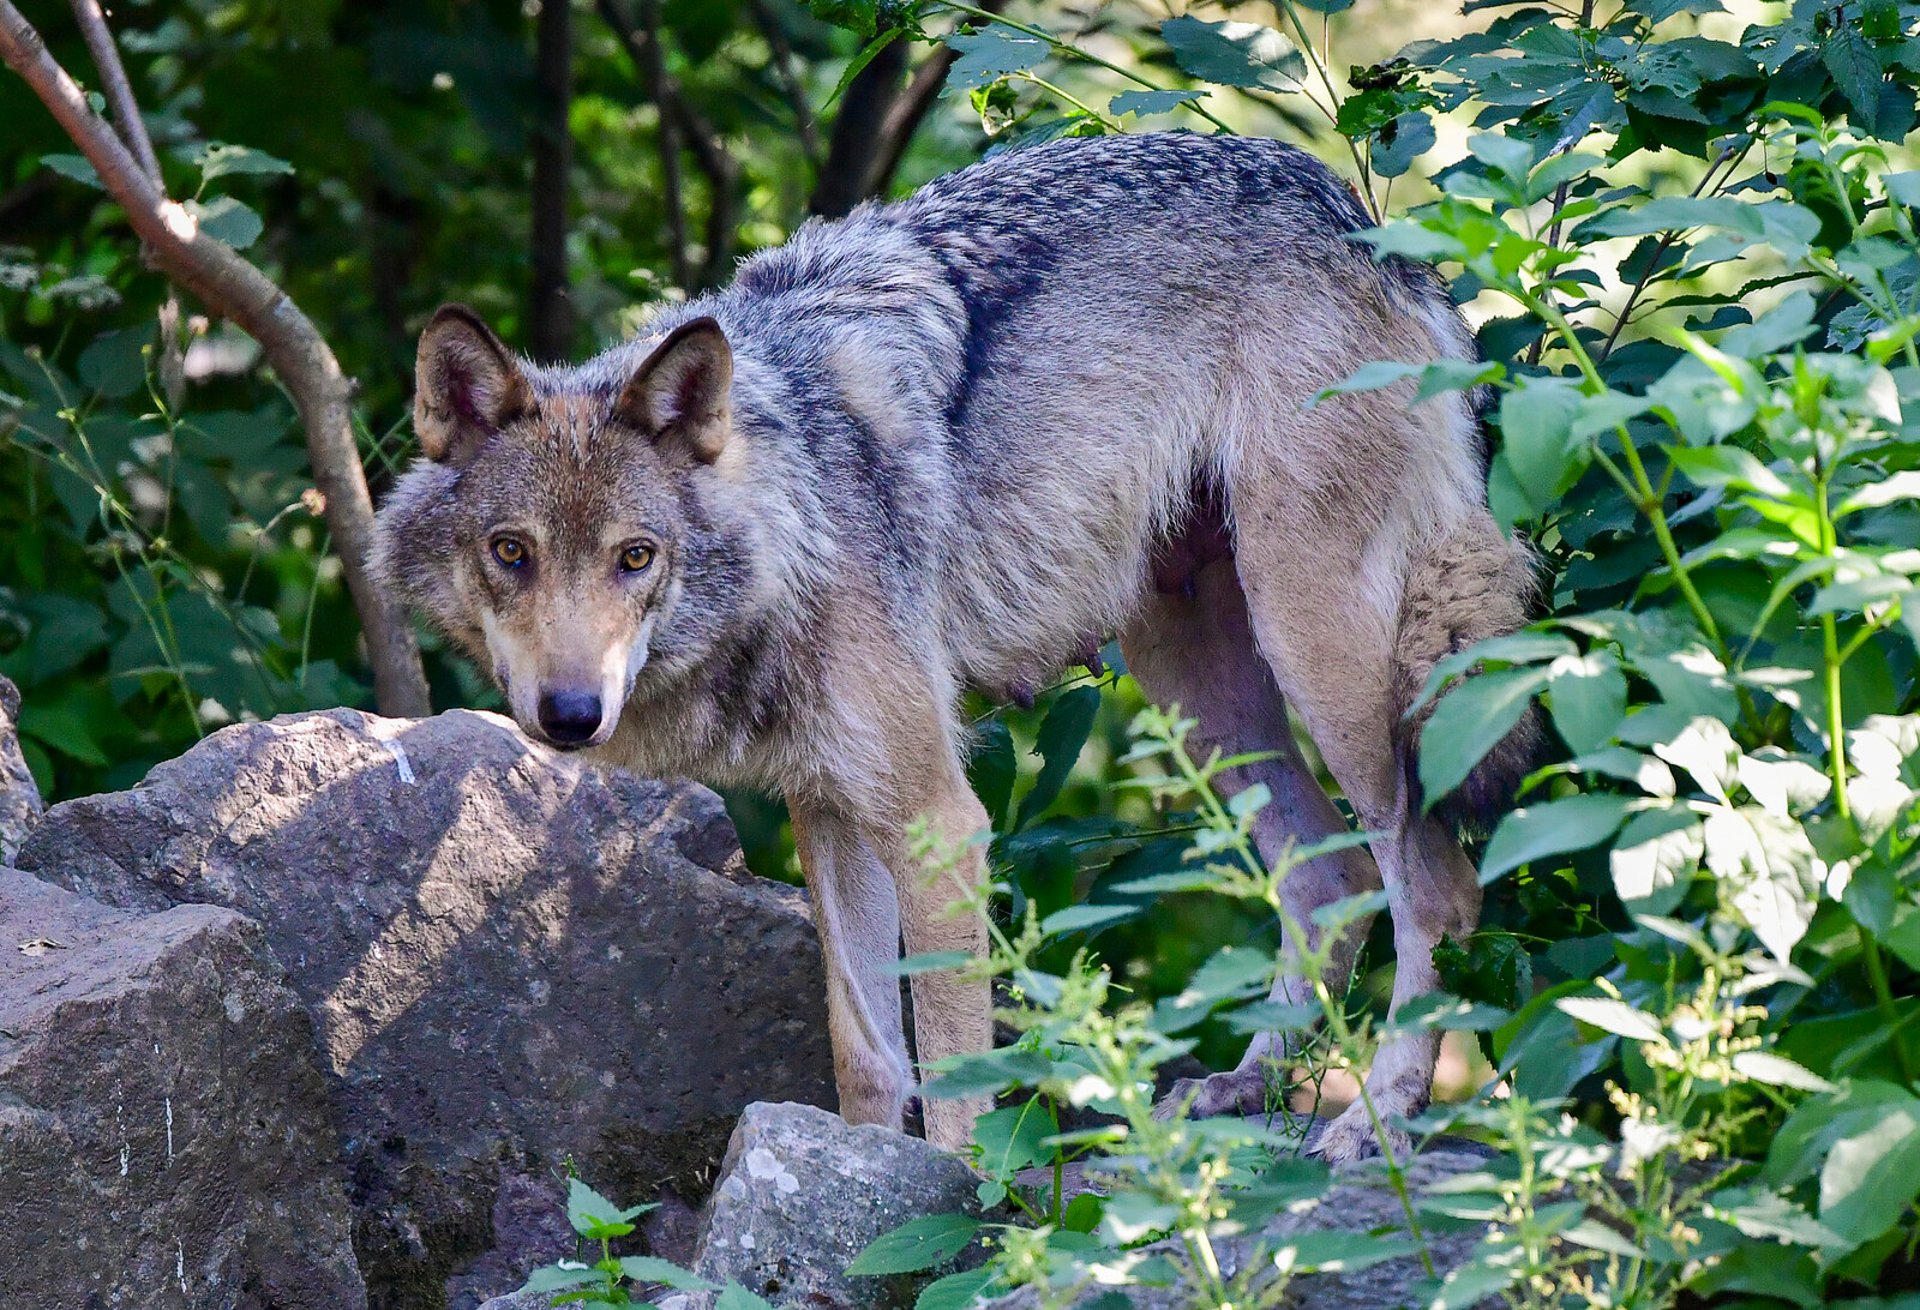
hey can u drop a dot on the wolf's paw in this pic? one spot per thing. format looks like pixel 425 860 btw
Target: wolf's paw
pixel 1237 1091
pixel 1351 1137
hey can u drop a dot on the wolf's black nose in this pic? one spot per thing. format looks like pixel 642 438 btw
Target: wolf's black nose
pixel 569 717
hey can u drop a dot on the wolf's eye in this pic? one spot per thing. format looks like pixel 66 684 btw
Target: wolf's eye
pixel 509 552
pixel 635 559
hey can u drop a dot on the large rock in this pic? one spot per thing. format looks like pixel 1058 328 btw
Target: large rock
pixel 513 960
pixel 20 804
pixel 802 1193
pixel 165 1137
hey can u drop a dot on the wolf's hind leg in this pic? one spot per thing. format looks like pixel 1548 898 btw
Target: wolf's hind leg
pixel 856 914
pixel 1329 628
pixel 1198 652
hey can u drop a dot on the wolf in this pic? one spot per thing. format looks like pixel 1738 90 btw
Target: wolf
pixel 948 443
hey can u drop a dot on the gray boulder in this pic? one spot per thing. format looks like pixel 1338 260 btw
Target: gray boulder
pixel 513 960
pixel 165 1137
pixel 20 804
pixel 802 1192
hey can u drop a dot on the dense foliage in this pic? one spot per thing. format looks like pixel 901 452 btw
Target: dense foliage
pixel 1688 237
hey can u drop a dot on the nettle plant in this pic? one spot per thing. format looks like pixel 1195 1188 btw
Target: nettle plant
pixel 1692 250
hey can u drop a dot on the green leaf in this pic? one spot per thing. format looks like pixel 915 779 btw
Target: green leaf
pixel 1587 698
pixel 931 962
pixel 1596 1236
pixel 652 1269
pixel 225 219
pixel 1904 485
pixel 916 1245
pixel 956 1291
pixel 1063 733
pixel 1132 1215
pixel 1856 74
pixel 861 15
pixel 1871 1175
pixel 1536 435
pixel 59 726
pixel 115 363
pixel 985 1071
pixel 1234 54
pixel 1784 225
pixel 1013 1138
pixel 1730 466
pixel 588 1211
pixel 735 1297
pixel 1469 721
pixel 1152 102
pixel 1654 859
pixel 555 1277
pixel 1611 1016
pixel 1778 1071
pixel 991 53
pixel 221 160
pixel 1572 823
pixel 1339 1251
pixel 1076 918
pixel 76 167
pixel 1401 142
pixel 993 769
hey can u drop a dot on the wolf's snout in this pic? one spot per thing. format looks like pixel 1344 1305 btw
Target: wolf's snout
pixel 569 718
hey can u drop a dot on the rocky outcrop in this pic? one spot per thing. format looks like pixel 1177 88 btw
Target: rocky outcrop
pixel 165 1137
pixel 20 806
pixel 512 961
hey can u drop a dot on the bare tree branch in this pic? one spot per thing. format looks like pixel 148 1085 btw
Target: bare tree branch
pixel 708 148
pixel 550 317
pixel 118 91
pixel 905 114
pixel 787 73
pixel 234 288
pixel 842 181
pixel 125 108
pixel 675 200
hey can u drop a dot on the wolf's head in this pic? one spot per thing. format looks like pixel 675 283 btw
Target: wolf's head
pixel 558 522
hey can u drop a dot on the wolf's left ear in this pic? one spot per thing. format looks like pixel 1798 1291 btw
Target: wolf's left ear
pixel 683 392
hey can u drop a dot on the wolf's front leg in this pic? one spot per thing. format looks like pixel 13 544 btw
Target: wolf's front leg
pixel 952 1015
pixel 856 913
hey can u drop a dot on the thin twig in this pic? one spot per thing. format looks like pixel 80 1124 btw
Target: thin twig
pixel 703 142
pixel 550 306
pixel 786 72
pixel 672 184
pixel 133 131
pixel 1659 251
pixel 115 86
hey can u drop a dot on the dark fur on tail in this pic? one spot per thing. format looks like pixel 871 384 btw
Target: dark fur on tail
pixel 1467 585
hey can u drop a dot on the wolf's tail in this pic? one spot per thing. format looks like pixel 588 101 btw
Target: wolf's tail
pixel 1468 584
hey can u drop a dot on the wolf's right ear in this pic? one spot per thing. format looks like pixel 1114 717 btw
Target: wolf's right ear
pixel 466 385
